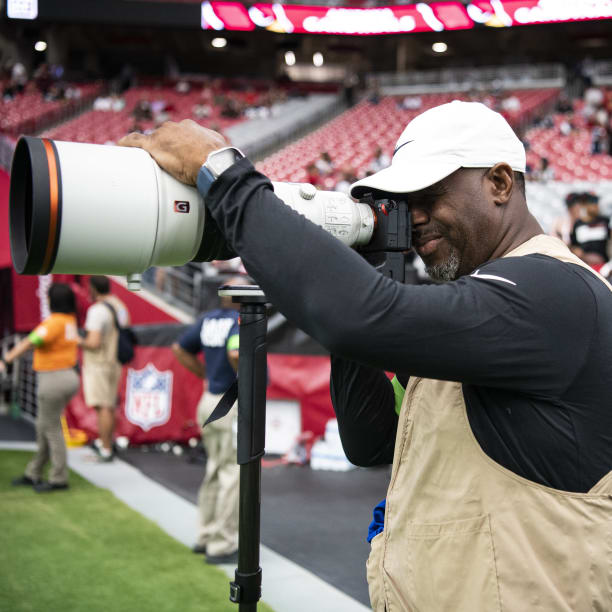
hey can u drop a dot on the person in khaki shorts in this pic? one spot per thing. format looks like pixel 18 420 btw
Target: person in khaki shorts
pixel 55 356
pixel 101 369
pixel 216 335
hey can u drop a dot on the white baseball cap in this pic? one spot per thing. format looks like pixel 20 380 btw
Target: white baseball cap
pixel 441 140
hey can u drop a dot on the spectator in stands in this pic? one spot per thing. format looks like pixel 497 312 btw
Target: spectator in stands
pixel 313 176
pixel 101 368
pixel 43 79
pixel 325 164
pixel 374 95
pixel 19 77
pixel 563 104
pixel 591 234
pixel 54 343
pixel 114 103
pixel 545 171
pixel 142 111
pixel 511 104
pixel 231 107
pixel 564 225
pixel 201 110
pixel 381 160
pixel 599 142
pixel 566 127
pixel 17 81
pixel 215 334
pixel 183 87
pixel 411 103
pixel 348 177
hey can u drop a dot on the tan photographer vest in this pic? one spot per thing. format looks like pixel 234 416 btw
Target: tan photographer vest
pixel 464 534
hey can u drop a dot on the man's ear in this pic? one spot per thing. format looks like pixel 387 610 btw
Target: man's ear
pixel 500 182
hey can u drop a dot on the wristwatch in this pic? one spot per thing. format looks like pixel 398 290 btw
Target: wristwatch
pixel 218 162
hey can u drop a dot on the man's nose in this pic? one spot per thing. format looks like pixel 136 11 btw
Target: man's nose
pixel 419 216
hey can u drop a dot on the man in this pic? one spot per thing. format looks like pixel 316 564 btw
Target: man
pixel 101 368
pixel 501 494
pixel 215 334
pixel 563 225
pixel 591 233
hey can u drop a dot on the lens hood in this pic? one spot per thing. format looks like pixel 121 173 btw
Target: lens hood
pixel 36 205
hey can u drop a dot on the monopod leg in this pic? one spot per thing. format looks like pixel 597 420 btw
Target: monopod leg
pixel 252 379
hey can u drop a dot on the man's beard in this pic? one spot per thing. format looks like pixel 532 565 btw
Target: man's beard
pixel 445 271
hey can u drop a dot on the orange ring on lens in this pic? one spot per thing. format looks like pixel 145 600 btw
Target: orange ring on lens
pixel 53 205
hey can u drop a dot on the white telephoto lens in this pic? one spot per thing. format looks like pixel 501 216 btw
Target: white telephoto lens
pixel 87 209
pixel 350 222
pixel 96 209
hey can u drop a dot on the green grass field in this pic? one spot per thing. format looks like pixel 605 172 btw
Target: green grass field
pixel 84 550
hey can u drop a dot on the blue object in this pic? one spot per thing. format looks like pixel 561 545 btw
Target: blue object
pixel 378 520
pixel 204 180
pixel 211 334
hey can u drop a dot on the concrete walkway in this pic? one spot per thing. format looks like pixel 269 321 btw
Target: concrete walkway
pixel 287 587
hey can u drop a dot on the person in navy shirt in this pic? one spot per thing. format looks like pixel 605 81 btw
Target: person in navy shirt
pixel 215 335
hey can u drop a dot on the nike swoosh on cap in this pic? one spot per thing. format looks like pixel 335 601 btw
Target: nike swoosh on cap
pixel 402 145
pixel 492 277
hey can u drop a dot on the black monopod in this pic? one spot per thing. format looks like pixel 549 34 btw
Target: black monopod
pixel 387 253
pixel 245 589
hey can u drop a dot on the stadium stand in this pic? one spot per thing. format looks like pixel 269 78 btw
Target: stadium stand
pixel 30 112
pixel 567 145
pixel 268 111
pixel 352 138
pixel 101 126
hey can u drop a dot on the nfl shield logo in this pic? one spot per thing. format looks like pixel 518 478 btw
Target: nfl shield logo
pixel 148 397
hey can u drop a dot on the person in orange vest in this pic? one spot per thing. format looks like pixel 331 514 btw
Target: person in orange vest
pixel 54 343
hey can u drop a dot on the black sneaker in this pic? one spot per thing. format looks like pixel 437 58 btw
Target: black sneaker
pixel 24 481
pixel 47 487
pixel 199 549
pixel 222 559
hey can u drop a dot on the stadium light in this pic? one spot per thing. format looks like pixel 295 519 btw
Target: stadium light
pixel 439 47
pixel 289 58
pixel 317 59
pixel 219 43
pixel 40 45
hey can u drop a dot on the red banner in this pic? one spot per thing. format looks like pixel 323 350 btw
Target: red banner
pixel 416 17
pixel 298 19
pixel 158 398
pixel 527 12
pixel 149 411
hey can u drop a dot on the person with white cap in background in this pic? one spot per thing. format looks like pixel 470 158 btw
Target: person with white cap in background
pixel 501 489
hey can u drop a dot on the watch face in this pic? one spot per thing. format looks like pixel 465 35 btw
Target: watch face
pixel 222 160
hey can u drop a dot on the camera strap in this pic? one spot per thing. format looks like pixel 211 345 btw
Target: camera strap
pixel 225 404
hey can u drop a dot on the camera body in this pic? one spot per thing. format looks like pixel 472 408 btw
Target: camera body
pixel 98 209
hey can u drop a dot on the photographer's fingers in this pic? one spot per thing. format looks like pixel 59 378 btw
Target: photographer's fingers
pixel 134 139
pixel 179 148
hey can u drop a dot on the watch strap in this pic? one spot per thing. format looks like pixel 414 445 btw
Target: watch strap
pixel 204 180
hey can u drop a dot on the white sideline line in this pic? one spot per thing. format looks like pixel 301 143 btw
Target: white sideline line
pixel 287 587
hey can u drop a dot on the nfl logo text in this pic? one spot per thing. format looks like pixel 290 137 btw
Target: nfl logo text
pixel 148 398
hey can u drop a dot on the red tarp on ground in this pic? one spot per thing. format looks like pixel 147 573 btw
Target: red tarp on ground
pixel 5 249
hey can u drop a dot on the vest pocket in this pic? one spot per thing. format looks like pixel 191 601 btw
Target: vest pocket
pixel 451 567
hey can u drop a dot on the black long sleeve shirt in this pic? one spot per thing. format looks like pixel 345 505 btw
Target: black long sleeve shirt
pixel 530 338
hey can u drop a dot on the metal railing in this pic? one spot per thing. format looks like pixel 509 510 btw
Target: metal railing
pixel 18 386
pixel 517 76
pixel 191 288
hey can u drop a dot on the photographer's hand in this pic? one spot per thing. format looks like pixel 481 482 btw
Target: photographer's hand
pixel 179 148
